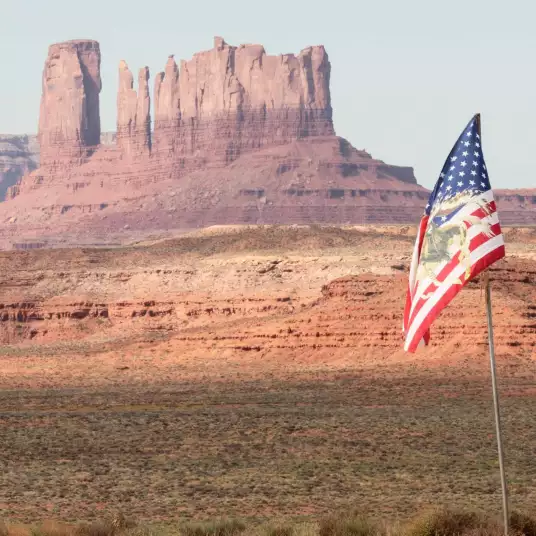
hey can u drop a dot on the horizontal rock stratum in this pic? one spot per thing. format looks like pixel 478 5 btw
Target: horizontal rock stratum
pixel 234 136
pixel 19 155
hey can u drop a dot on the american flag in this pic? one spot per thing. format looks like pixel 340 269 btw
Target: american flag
pixel 459 236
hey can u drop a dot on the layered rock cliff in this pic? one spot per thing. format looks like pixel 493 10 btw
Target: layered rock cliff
pixel 69 118
pixel 19 155
pixel 133 113
pixel 231 100
pixel 239 136
pixel 223 103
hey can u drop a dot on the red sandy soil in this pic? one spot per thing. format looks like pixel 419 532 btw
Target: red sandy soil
pixel 248 299
pixel 236 356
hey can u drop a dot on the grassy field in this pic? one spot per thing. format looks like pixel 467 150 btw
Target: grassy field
pixel 387 443
pixel 434 522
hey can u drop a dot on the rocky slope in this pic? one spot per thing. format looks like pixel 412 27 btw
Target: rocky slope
pixel 19 155
pixel 264 299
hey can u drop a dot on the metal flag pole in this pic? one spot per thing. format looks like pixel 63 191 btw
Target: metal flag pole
pixel 496 405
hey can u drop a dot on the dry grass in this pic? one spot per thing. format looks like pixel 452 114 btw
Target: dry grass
pixel 385 445
pixel 436 522
pixel 214 528
pixel 347 524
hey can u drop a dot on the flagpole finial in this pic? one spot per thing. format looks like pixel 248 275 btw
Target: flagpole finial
pixel 477 121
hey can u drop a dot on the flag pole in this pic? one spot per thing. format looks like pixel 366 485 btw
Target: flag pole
pixel 496 406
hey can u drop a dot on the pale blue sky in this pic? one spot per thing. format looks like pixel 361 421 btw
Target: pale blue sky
pixel 406 75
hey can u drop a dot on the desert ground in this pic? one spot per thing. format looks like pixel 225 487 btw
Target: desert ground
pixel 257 372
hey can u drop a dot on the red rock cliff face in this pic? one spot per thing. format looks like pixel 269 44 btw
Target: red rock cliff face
pixel 19 155
pixel 133 113
pixel 166 108
pixel 239 137
pixel 231 100
pixel 223 103
pixel 69 120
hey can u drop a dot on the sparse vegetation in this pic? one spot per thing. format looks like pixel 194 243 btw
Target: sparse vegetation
pixel 443 522
pixel 347 524
pixel 436 522
pixel 302 447
pixel 295 414
pixel 213 528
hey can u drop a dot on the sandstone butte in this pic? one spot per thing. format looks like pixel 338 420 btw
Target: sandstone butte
pixel 238 136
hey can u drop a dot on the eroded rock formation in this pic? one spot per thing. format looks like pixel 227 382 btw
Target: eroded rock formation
pixel 133 113
pixel 69 118
pixel 166 108
pixel 223 103
pixel 231 100
pixel 19 155
pixel 314 294
pixel 239 136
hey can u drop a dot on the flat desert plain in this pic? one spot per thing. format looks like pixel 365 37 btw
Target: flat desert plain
pixel 257 372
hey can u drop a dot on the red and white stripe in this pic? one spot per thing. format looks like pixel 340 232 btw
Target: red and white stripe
pixel 421 312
